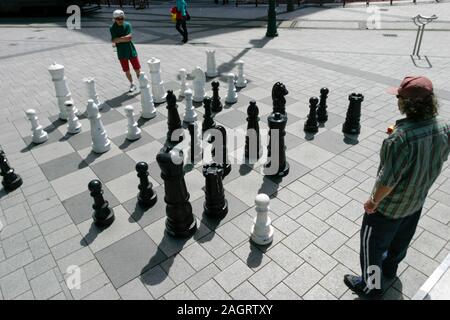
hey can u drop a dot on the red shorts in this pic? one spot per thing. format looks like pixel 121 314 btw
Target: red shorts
pixel 134 62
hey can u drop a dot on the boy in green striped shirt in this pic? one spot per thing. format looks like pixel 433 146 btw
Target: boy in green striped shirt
pixel 411 159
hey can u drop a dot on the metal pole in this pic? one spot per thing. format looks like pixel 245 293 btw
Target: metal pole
pixel 272 20
pixel 420 40
pixel 415 43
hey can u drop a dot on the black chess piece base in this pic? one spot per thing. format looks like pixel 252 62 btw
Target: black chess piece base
pixel 104 216
pixel 351 130
pixel 12 182
pixel 216 212
pixel 181 233
pixel 147 203
pixel 281 173
pixel 311 129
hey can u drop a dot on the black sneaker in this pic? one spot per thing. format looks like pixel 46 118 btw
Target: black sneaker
pixel 357 285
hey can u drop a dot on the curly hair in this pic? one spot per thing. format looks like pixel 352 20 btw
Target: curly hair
pixel 420 108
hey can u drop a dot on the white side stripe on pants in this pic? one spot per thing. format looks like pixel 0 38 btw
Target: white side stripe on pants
pixel 366 264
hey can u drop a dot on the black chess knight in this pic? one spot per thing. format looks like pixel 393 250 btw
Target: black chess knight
pixel 180 221
pixel 276 164
pixel 11 180
pixel 352 120
pixel 311 125
pixel 253 148
pixel 215 204
pixel 146 197
pixel 174 129
pixel 216 104
pixel 279 92
pixel 103 216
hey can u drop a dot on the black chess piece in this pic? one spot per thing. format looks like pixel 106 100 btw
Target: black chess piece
pixel 311 125
pixel 11 180
pixel 253 148
pixel 277 164
pixel 103 216
pixel 279 92
pixel 146 197
pixel 208 121
pixel 215 204
pixel 353 117
pixel 175 131
pixel 322 115
pixel 219 152
pixel 180 221
pixel 216 104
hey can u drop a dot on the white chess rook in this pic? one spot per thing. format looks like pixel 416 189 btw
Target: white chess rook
pixel 198 84
pixel 241 82
pixel 100 141
pixel 183 84
pixel 189 113
pixel 148 107
pixel 73 124
pixel 232 96
pixel 211 70
pixel 262 230
pixel 159 92
pixel 61 89
pixel 38 134
pixel 92 91
pixel 133 131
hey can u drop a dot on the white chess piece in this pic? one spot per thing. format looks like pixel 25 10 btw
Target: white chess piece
pixel 92 91
pixel 38 133
pixel 133 131
pixel 262 230
pixel 211 70
pixel 100 141
pixel 232 95
pixel 158 90
pixel 62 90
pixel 73 124
pixel 189 113
pixel 148 107
pixel 183 84
pixel 241 82
pixel 199 84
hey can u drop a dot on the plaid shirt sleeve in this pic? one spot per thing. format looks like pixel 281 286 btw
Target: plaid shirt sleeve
pixel 394 158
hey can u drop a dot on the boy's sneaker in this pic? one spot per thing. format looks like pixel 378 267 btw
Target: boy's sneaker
pixel 357 285
pixel 132 88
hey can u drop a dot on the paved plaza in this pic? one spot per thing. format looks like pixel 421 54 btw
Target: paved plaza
pixel 316 210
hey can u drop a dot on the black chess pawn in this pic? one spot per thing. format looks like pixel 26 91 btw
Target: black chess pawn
pixel 279 92
pixel 208 121
pixel 180 221
pixel 195 145
pixel 353 117
pixel 216 104
pixel 146 197
pixel 311 125
pixel 103 216
pixel 175 131
pixel 253 148
pixel 11 180
pixel 322 115
pixel 215 204
pixel 277 164
pixel 219 152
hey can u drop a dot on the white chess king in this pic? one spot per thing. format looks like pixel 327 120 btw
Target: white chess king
pixel 38 133
pixel 61 89
pixel 262 230
pixel 158 90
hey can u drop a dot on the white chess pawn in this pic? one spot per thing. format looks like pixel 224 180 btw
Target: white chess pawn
pixel 73 124
pixel 198 84
pixel 61 88
pixel 158 90
pixel 232 96
pixel 211 70
pixel 133 131
pixel 189 113
pixel 241 82
pixel 148 107
pixel 92 91
pixel 38 133
pixel 262 230
pixel 100 141
pixel 183 85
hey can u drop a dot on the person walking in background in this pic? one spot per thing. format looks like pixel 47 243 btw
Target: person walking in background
pixel 182 17
pixel 411 159
pixel 121 38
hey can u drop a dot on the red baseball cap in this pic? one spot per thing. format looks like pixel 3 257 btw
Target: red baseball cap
pixel 413 87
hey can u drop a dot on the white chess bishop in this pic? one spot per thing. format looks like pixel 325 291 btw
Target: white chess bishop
pixel 262 230
pixel 232 95
pixel 92 91
pixel 158 90
pixel 189 113
pixel 133 131
pixel 241 82
pixel 148 107
pixel 61 88
pixel 38 134
pixel 73 124
pixel 198 84
pixel 211 70
pixel 183 85
pixel 100 141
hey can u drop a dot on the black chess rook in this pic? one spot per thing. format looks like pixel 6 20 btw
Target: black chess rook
pixel 352 120
pixel 103 216
pixel 180 222
pixel 174 129
pixel 215 205
pixel 322 115
pixel 311 125
pixel 11 180
pixel 279 92
pixel 253 148
pixel 276 164
pixel 146 197
pixel 216 104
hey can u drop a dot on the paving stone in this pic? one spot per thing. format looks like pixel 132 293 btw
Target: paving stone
pixel 202 276
pixel 197 256
pixel 303 279
pixel 267 277
pixel 330 240
pixel 177 268
pixel 324 209
pixel 282 292
pixel 89 286
pixel 226 260
pixel 313 224
pixel 232 276
pixel 14 284
pixel 15 262
pixel 334 280
pixel 409 282
pixel 45 286
pixel 299 239
pixel 15 244
pixel 62 166
pixel 283 256
pixel 246 291
pixel 215 245
pixel 252 255
pixel 15 228
pixel 349 258
pixel 40 266
pixel 55 224
pixel 25 296
pixel 309 155
pixel 289 197
pixel 352 210
pixel 15 213
pixel 440 212
pixel 313 182
pixel 134 290
pixel 49 214
pixel 285 224
pixel 73 184
pixel 61 235
pixel 344 225
pixel 231 234
pixel 318 259
pixel 69 246
pixel 182 292
pixel 157 282
pixel 299 210
pixel 105 293
pixel 77 258
pixel 301 189
pixel 211 290
pixel 318 293
pixel 428 244
pixel 420 262
pixel 32 233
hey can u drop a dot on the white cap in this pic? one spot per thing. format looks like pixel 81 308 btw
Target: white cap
pixel 118 13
